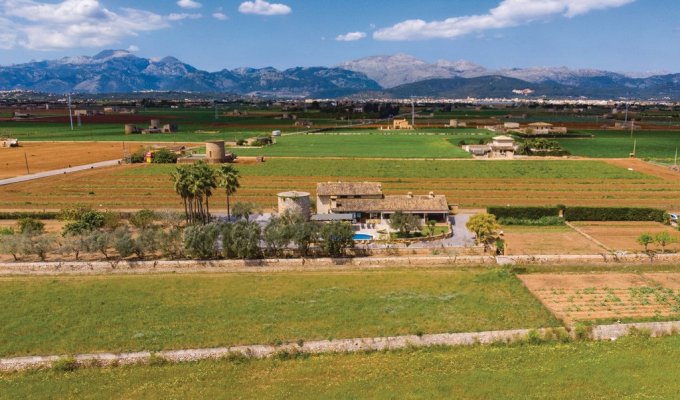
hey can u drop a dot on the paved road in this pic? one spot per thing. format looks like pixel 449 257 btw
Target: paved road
pixel 45 174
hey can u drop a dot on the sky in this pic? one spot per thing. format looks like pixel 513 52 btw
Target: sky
pixel 615 35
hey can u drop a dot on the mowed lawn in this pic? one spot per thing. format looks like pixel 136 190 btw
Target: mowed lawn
pixel 67 315
pixel 657 145
pixel 374 144
pixel 628 368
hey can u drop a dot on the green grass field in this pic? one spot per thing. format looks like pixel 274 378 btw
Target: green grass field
pixel 84 314
pixel 618 144
pixel 373 144
pixel 632 368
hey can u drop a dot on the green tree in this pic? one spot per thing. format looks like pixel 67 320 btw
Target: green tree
pixel 30 226
pixel 39 245
pixel 12 245
pixel 229 180
pixel 276 236
pixel 143 219
pixel 245 240
pixel 99 241
pixel 164 156
pixel 200 241
pixel 645 240
pixel 146 242
pixel 243 210
pixel 405 223
pixel 485 228
pixel 73 244
pixel 663 239
pixel 336 238
pixel 431 224
pixel 302 233
pixel 123 242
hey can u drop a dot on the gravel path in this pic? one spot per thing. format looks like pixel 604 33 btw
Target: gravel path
pixel 55 172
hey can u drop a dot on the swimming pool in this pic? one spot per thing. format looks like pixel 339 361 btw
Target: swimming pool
pixel 362 236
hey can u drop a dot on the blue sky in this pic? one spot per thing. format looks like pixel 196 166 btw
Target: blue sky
pixel 618 35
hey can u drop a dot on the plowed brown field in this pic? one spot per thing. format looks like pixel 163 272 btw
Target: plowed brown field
pixel 575 297
pixel 134 187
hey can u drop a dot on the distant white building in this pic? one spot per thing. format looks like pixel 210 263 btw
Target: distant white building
pixel 500 147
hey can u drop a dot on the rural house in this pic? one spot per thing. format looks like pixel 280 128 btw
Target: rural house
pixel 365 201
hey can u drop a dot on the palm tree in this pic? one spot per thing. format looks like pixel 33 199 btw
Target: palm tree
pixel 229 177
pixel 181 183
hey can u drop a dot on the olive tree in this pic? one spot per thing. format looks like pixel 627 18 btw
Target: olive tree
pixel 336 238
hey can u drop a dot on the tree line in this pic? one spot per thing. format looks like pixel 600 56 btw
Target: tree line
pixel 150 234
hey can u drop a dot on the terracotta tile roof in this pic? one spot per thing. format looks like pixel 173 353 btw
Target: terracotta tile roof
pixel 348 189
pixel 425 203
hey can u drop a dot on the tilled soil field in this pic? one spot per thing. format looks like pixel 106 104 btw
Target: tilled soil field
pixel 579 297
pixel 141 186
pixel 56 155
pixel 622 235
pixel 529 240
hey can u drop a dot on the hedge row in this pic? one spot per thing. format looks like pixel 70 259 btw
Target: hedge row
pixel 29 214
pixel 613 214
pixel 524 212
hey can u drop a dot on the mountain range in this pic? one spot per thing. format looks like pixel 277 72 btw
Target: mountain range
pixel 119 71
pixel 400 75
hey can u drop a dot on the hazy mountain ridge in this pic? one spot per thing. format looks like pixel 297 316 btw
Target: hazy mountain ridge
pixel 122 71
pixel 119 71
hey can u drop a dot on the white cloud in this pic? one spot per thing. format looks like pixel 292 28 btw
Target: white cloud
pixel 220 16
pixel 508 13
pixel 39 25
pixel 189 4
pixel 181 16
pixel 262 7
pixel 350 37
pixel 132 48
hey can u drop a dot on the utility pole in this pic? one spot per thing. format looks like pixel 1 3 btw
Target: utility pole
pixel 632 127
pixel 26 159
pixel 70 114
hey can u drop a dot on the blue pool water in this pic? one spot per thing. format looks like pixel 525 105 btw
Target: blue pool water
pixel 362 236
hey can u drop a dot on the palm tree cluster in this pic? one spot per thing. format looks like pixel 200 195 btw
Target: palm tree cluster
pixel 196 183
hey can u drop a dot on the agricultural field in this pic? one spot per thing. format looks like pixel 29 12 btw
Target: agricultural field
pixel 654 145
pixel 368 145
pixel 632 367
pixel 467 183
pixel 128 313
pixel 620 235
pixel 522 240
pixel 56 155
pixel 578 297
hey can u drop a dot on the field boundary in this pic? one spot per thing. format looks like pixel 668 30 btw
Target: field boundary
pixel 303 264
pixel 587 236
pixel 601 332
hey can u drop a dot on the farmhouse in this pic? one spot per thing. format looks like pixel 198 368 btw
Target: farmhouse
pixel 500 147
pixel 544 128
pixel 401 124
pixel 365 201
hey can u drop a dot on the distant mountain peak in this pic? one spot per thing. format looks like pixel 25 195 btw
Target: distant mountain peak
pixel 108 54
